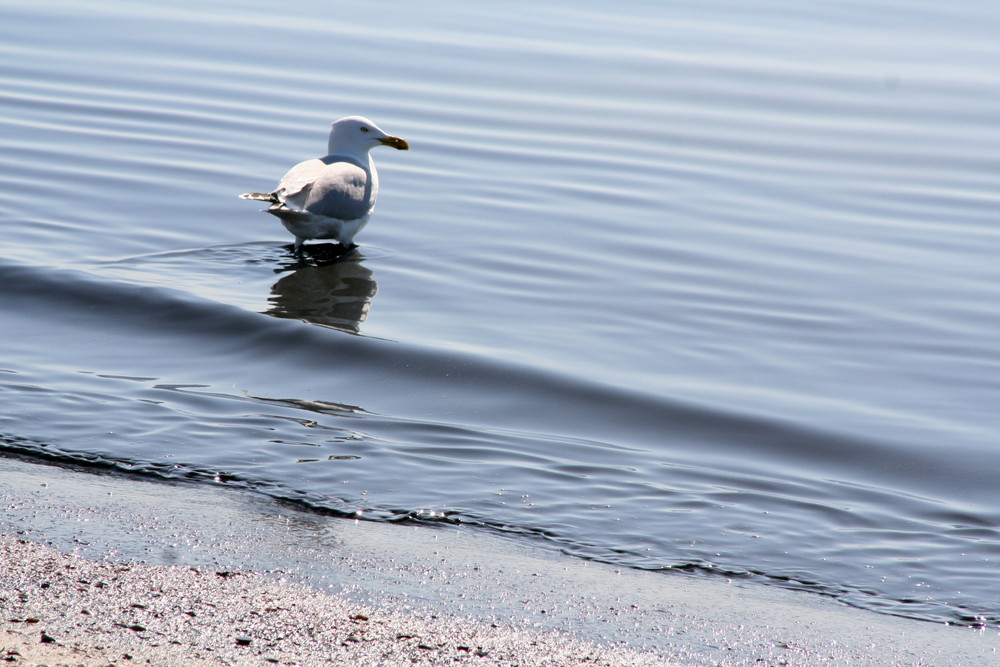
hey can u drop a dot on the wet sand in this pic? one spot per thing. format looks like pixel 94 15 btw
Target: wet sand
pixel 61 609
pixel 139 572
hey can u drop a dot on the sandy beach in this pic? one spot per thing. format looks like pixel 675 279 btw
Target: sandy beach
pixel 102 569
pixel 60 609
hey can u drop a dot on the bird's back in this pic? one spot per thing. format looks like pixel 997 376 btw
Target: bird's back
pixel 332 186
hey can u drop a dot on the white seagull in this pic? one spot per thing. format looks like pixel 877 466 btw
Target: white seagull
pixel 332 197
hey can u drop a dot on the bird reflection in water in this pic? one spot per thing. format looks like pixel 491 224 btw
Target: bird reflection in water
pixel 325 286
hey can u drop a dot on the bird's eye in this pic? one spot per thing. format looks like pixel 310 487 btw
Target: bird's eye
pixel 364 129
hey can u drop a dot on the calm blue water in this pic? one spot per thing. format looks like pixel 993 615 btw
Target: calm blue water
pixel 710 288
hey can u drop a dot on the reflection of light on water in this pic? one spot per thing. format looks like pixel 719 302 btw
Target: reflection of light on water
pixel 336 294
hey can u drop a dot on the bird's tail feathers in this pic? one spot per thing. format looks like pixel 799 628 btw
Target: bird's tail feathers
pixel 261 196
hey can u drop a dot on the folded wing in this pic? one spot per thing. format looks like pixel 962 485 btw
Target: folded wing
pixel 328 187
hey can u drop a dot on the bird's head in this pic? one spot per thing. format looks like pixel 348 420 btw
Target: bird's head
pixel 355 134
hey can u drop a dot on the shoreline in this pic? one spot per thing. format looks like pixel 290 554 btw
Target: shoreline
pixel 306 589
pixel 70 610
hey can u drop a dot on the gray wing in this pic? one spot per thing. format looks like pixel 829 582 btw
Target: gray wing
pixel 334 189
pixel 299 178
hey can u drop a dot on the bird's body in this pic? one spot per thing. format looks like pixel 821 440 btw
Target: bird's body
pixel 331 197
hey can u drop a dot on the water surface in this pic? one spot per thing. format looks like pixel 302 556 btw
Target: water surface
pixel 705 289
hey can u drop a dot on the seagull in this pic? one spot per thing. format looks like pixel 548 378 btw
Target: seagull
pixel 331 197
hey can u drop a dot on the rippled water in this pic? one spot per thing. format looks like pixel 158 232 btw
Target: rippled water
pixel 710 288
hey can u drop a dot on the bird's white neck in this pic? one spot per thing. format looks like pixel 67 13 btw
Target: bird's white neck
pixel 362 159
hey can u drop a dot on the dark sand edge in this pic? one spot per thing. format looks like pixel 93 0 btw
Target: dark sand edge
pixel 437 596
pixel 60 609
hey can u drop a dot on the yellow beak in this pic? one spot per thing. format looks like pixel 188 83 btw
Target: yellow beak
pixel 396 142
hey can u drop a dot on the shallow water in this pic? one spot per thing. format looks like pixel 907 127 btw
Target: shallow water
pixel 705 289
